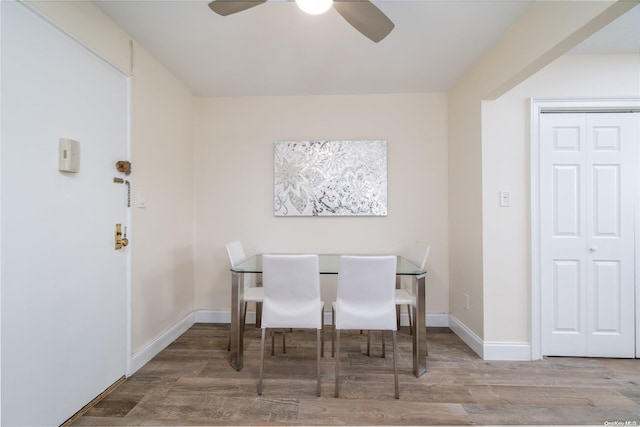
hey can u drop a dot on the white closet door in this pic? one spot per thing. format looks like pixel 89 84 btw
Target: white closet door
pixel 588 182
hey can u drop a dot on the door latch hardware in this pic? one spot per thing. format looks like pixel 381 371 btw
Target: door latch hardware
pixel 121 239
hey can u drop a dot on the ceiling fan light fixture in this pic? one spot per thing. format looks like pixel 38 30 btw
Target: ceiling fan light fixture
pixel 314 7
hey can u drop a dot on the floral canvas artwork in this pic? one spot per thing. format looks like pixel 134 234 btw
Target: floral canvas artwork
pixel 330 178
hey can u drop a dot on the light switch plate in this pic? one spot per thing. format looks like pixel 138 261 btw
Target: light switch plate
pixel 141 202
pixel 505 199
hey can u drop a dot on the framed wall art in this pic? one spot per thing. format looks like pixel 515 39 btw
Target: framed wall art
pixel 330 178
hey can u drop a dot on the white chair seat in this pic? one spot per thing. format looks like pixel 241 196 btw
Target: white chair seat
pixel 403 297
pixel 254 294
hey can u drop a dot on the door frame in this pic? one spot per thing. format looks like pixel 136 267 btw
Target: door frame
pixel 569 105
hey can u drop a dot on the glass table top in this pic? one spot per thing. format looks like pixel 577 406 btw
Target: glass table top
pixel 328 265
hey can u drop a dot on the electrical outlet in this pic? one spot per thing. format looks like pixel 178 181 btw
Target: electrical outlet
pixel 466 301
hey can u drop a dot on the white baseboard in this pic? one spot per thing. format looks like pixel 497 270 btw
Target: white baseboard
pixel 487 350
pixel 142 357
pixel 438 320
pixel 490 350
pixel 466 335
pixel 498 350
pixel 211 316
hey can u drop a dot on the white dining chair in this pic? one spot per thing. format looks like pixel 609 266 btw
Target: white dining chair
pixel 291 299
pixel 365 300
pixel 252 293
pixel 403 296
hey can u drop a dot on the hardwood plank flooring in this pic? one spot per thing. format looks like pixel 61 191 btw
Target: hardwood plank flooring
pixel 191 383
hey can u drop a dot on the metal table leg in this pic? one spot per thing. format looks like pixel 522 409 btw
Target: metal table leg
pixel 236 326
pixel 419 327
pixel 398 311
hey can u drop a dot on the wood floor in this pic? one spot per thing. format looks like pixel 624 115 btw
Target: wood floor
pixel 191 383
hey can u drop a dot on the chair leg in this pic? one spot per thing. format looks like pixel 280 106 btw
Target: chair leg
pixel 284 342
pixel 398 313
pixel 426 349
pixel 333 331
pixel 273 352
pixel 368 342
pixel 318 345
pixel 410 316
pixel 264 331
pixel 384 355
pixel 395 363
pixel 337 373
pixel 244 313
pixel 258 314
pixel 322 338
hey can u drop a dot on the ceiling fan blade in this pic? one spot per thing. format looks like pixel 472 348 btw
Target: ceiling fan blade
pixel 227 7
pixel 365 17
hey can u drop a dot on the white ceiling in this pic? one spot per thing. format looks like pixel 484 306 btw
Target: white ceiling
pixel 276 49
pixel 621 36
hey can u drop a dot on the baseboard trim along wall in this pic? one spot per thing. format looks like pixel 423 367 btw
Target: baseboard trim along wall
pixel 210 316
pixel 498 350
pixel 485 349
pixel 142 357
pixel 466 335
pixel 490 350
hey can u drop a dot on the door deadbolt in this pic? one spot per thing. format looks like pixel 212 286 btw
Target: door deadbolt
pixel 123 166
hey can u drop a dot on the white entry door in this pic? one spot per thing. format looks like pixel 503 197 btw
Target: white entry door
pixel 64 315
pixel 588 184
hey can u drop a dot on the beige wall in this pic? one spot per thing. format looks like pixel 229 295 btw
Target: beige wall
pixel 524 49
pixel 163 163
pixel 162 153
pixel 465 209
pixel 234 182
pixel 448 157
pixel 506 166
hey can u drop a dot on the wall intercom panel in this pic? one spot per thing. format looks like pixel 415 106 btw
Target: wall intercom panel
pixel 69 155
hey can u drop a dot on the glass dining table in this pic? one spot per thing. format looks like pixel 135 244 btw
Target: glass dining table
pixel 328 265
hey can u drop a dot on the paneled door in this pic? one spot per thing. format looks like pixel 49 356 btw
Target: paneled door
pixel 588 185
pixel 64 286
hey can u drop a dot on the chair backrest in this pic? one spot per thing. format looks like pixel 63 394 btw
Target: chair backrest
pixel 291 291
pixel 236 253
pixel 419 254
pixel 366 293
pixel 237 256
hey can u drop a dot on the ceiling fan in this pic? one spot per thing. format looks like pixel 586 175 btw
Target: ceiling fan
pixel 363 15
